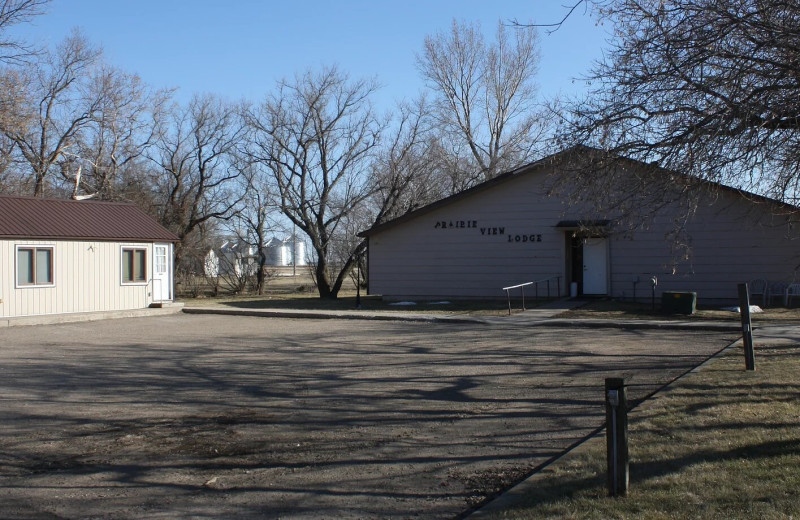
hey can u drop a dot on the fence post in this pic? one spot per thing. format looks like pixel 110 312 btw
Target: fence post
pixel 617 436
pixel 747 327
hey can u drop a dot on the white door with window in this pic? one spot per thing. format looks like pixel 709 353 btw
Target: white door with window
pixel 595 266
pixel 162 273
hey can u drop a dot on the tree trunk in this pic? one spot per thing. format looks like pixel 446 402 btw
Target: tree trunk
pixel 262 261
pixel 323 281
pixel 38 189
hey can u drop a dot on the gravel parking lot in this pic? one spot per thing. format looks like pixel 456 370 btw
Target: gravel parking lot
pixel 198 416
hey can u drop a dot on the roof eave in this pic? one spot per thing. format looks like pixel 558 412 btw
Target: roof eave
pixel 500 179
pixel 174 239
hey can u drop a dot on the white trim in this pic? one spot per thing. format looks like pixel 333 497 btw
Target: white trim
pixel 168 271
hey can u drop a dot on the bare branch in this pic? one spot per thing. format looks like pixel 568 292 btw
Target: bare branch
pixel 483 98
pixel 704 87
pixel 317 136
pixel 15 12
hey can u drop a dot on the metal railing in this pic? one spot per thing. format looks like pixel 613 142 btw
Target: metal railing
pixel 544 281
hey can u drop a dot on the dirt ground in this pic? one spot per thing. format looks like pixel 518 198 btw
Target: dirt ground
pixel 197 416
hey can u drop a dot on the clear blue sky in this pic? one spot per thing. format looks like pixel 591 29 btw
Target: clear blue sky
pixel 239 48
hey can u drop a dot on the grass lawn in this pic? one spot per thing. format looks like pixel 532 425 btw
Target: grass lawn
pixel 720 443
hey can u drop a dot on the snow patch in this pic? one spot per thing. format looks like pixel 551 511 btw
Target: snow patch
pixel 753 309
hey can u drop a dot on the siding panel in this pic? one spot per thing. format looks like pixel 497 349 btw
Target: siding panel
pixel 731 240
pixel 87 278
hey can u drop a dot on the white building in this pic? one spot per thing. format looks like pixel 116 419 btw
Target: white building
pixel 64 256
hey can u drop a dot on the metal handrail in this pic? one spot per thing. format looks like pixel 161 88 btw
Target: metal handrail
pixel 535 284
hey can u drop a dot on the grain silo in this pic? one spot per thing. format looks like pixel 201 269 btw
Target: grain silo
pixel 276 252
pixel 296 251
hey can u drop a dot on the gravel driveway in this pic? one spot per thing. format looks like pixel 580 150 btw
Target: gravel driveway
pixel 197 416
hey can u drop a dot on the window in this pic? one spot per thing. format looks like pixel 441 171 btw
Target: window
pixel 134 265
pixel 34 266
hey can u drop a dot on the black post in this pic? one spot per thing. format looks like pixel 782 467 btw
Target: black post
pixel 617 437
pixel 747 327
pixel 653 284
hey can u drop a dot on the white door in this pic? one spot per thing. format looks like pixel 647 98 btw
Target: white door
pixel 595 266
pixel 162 273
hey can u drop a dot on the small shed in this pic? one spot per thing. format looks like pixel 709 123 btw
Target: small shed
pixel 65 256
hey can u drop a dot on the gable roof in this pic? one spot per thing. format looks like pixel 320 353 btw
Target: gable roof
pixel 57 219
pixel 500 179
pixel 539 165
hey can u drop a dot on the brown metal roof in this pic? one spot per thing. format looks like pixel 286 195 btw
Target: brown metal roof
pixel 57 219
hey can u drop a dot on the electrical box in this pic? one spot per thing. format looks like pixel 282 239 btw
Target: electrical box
pixel 673 302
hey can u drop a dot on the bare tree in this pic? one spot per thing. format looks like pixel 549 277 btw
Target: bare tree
pixel 194 151
pixel 317 136
pixel 484 98
pixel 55 104
pixel 13 51
pixel 15 12
pixel 13 118
pixel 404 176
pixel 117 137
pixel 708 88
pixel 230 266
pixel 255 218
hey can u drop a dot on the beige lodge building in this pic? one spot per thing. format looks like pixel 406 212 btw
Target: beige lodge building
pixel 531 224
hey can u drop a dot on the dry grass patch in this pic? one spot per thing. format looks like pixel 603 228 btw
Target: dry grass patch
pixel 347 302
pixel 299 293
pixel 612 309
pixel 721 443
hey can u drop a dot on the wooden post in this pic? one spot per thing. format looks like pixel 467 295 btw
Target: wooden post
pixel 617 437
pixel 358 283
pixel 747 327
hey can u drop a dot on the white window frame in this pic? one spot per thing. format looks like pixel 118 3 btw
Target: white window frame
pixel 35 247
pixel 122 250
